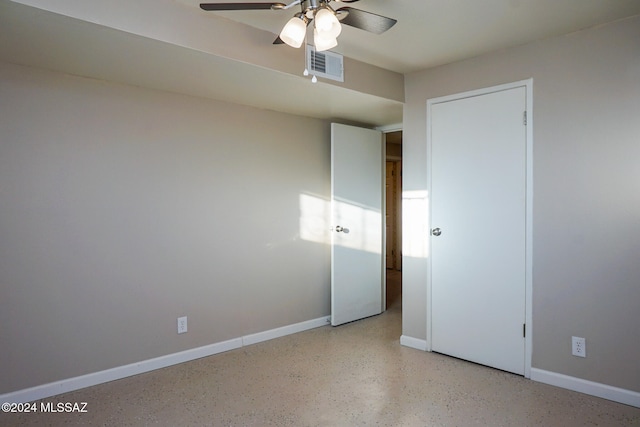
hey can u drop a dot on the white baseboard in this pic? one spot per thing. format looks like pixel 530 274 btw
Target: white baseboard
pixel 416 343
pixel 76 383
pixel 285 330
pixel 604 391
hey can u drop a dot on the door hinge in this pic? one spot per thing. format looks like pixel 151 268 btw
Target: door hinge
pixel 524 330
pixel 524 118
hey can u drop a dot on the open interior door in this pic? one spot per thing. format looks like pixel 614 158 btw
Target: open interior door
pixel 356 223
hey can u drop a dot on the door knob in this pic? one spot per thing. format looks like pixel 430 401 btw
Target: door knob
pixel 436 232
pixel 342 229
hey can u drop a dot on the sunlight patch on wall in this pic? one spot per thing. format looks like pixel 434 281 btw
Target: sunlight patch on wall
pixel 415 224
pixel 314 219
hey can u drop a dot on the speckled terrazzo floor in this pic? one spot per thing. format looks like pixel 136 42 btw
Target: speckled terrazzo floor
pixel 352 375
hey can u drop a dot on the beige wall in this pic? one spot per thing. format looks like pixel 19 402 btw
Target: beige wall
pixel 586 212
pixel 123 208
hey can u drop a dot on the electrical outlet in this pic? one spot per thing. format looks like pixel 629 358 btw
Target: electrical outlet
pixel 578 347
pixel 182 325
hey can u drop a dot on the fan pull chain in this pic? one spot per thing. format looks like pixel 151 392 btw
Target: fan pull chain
pixel 304 56
pixel 314 79
pixel 305 73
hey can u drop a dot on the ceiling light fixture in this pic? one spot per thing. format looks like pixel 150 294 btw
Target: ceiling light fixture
pixel 327 27
pixel 328 22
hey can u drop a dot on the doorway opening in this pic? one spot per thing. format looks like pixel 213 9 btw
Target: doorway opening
pixel 393 196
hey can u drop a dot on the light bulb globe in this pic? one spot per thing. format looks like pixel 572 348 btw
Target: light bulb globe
pixel 294 31
pixel 323 43
pixel 327 24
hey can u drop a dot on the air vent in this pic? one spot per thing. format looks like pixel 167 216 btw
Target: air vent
pixel 325 64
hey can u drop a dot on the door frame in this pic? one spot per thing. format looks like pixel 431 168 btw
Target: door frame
pixel 528 84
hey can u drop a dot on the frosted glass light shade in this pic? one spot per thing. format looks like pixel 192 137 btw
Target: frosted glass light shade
pixel 323 43
pixel 294 31
pixel 327 24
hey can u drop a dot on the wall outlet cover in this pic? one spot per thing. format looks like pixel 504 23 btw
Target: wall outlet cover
pixel 182 324
pixel 578 347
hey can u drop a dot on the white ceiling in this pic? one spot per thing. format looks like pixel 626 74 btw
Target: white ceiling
pixel 437 32
pixel 428 33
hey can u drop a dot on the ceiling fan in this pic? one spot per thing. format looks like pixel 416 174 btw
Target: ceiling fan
pixel 327 21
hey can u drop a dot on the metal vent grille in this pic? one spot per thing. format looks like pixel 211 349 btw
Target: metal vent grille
pixel 325 64
pixel 318 62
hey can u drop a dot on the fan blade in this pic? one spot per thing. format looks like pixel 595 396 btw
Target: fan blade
pixel 367 21
pixel 242 6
